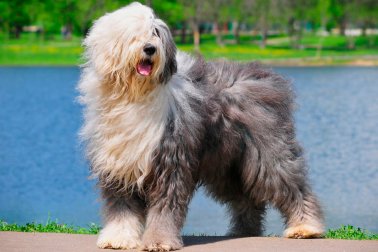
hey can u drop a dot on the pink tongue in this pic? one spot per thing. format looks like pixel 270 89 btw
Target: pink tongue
pixel 144 69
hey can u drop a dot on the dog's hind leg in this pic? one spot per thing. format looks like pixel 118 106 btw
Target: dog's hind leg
pixel 246 218
pixel 280 178
pixel 295 200
pixel 302 213
pixel 124 221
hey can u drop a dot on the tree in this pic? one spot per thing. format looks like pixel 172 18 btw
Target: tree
pixel 193 10
pixel 241 11
pixel 338 9
pixel 323 10
pixel 217 14
pixel 171 11
pixel 14 16
pixel 297 13
pixel 367 14
pixel 263 8
pixel 5 13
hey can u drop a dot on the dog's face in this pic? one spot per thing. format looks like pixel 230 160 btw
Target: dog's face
pixel 132 46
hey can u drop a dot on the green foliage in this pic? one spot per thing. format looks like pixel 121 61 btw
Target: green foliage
pixel 170 11
pixel 49 227
pixel 260 16
pixel 350 233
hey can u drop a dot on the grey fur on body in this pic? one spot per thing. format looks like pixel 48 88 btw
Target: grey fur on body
pixel 230 129
pixel 244 151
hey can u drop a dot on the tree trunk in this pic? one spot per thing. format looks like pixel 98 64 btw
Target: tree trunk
pixel 364 28
pixel 264 37
pixel 351 43
pixel 196 35
pixel 264 28
pixel 291 31
pixel 183 33
pixel 237 32
pixel 298 37
pixel 17 31
pixel 67 31
pixel 295 33
pixel 218 33
pixel 321 40
pixel 343 25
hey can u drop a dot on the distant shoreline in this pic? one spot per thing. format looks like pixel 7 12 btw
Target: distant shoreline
pixel 358 62
pixel 301 62
pixel 31 51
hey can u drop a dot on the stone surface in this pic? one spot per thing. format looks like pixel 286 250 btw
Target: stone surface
pixel 46 242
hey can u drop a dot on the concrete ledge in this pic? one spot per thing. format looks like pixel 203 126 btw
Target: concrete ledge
pixel 46 242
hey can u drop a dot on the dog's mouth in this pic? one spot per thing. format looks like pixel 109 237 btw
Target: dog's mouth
pixel 145 67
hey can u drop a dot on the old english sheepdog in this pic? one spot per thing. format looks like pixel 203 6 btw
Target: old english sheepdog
pixel 159 123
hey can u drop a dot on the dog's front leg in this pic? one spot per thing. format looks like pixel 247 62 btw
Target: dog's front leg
pixel 166 213
pixel 163 229
pixel 124 221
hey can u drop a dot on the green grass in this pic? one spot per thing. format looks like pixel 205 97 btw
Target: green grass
pixel 31 50
pixel 350 233
pixel 278 49
pixel 49 227
pixel 344 232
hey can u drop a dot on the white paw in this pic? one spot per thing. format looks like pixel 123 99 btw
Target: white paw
pixel 304 231
pixel 118 241
pixel 113 236
pixel 160 247
pixel 160 242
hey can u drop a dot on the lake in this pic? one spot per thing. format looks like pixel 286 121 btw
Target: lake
pixel 43 174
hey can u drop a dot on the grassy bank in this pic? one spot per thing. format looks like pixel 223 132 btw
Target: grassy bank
pixel 31 50
pixel 344 232
pixel 49 227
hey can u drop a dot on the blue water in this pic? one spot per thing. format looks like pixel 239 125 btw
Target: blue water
pixel 43 174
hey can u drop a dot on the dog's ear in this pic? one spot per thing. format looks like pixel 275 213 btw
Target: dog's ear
pixel 169 46
pixel 104 56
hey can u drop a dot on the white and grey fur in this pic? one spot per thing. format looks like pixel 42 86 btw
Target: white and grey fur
pixel 152 140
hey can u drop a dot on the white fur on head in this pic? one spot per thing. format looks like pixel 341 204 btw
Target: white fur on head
pixel 114 47
pixel 125 112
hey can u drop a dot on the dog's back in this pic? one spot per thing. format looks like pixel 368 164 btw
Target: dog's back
pixel 249 113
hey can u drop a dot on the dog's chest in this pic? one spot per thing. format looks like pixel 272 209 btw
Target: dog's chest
pixel 134 132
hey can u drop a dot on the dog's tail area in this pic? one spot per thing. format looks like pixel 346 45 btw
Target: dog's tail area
pixel 273 168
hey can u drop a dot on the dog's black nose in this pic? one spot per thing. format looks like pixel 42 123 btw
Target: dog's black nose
pixel 149 49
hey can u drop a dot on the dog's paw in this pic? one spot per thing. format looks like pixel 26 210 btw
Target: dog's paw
pixel 111 240
pixel 304 231
pixel 118 242
pixel 161 244
pixel 159 247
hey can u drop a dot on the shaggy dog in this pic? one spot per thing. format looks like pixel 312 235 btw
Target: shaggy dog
pixel 159 123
